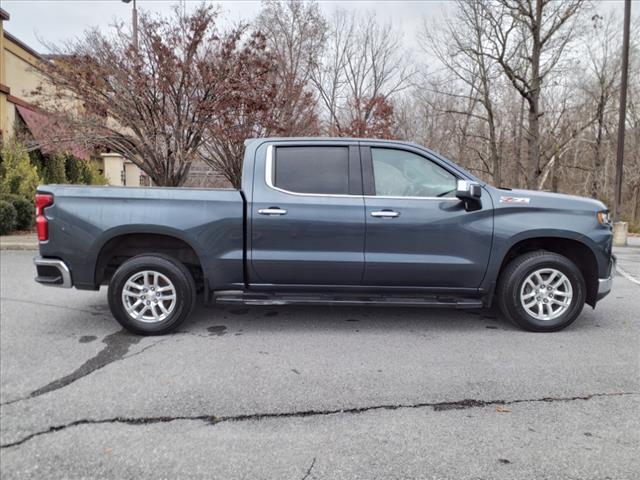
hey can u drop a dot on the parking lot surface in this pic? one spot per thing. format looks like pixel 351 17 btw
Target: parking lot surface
pixel 303 393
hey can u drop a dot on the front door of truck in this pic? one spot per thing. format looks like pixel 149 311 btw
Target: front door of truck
pixel 418 234
pixel 307 215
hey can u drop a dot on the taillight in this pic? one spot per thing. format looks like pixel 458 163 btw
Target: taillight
pixel 42 200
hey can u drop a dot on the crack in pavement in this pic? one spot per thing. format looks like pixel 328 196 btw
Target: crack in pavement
pixel 306 475
pixel 116 347
pixel 214 420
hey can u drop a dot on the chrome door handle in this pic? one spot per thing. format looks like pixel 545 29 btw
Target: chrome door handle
pixel 385 214
pixel 272 211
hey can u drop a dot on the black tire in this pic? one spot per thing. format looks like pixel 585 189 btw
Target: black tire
pixel 514 275
pixel 179 276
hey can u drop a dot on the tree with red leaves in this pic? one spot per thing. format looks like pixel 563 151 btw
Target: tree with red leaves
pixel 258 105
pixel 375 119
pixel 158 103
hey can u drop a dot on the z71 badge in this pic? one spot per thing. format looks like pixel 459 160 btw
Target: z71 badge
pixel 517 200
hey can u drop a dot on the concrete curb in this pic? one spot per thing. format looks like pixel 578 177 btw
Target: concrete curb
pixel 19 241
pixel 18 246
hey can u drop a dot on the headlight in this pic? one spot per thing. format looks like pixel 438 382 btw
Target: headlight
pixel 604 219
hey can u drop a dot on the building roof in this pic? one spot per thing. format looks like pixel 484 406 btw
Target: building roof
pixel 4 15
pixel 43 128
pixel 22 45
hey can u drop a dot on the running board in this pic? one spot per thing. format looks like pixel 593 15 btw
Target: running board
pixel 433 301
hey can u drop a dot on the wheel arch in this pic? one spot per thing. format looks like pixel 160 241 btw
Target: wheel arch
pixel 119 244
pixel 579 252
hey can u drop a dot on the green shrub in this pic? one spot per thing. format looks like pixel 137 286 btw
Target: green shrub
pixel 38 159
pixel 7 217
pixel 25 211
pixel 54 169
pixel 90 174
pixel 19 175
pixel 73 169
pixel 2 168
pixel 65 168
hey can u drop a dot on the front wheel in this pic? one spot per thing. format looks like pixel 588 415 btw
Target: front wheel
pixel 151 294
pixel 541 291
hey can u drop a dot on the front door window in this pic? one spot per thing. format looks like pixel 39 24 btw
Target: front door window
pixel 399 173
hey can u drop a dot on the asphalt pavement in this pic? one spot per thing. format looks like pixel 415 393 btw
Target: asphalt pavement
pixel 314 393
pixel 629 260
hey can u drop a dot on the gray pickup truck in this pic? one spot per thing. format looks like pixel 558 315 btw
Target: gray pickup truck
pixel 329 221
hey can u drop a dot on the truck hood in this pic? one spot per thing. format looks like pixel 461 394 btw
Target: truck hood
pixel 538 199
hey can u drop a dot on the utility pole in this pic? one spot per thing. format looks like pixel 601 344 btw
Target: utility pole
pixel 623 110
pixel 134 21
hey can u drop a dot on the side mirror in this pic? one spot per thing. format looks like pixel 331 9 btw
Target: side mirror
pixel 469 193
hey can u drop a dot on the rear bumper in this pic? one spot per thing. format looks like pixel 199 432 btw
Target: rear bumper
pixel 605 284
pixel 52 272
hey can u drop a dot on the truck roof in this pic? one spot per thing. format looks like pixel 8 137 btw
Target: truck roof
pixel 329 139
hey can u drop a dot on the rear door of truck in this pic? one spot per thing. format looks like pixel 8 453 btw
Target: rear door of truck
pixel 307 215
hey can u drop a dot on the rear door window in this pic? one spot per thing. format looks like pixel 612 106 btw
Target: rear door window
pixel 312 169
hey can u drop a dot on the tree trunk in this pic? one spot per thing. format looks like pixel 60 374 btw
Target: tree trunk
pixel 519 165
pixel 635 204
pixel 495 157
pixel 555 178
pixel 465 126
pixel 533 135
pixel 533 140
pixel 493 140
pixel 597 158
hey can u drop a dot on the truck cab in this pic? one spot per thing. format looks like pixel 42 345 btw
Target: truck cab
pixel 365 215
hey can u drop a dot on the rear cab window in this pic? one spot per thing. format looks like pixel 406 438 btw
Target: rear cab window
pixel 312 169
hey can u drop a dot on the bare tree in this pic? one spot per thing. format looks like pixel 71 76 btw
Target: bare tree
pixel 632 159
pixel 327 74
pixel 577 83
pixel 528 38
pixel 360 73
pixel 458 43
pixel 603 67
pixel 295 33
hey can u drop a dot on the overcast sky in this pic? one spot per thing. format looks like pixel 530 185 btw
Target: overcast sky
pixel 54 21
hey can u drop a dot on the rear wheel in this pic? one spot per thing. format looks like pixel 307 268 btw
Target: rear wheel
pixel 541 291
pixel 151 294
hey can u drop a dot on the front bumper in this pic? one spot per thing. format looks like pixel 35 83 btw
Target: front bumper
pixel 605 284
pixel 52 272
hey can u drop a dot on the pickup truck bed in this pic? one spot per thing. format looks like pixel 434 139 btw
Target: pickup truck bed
pixel 87 223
